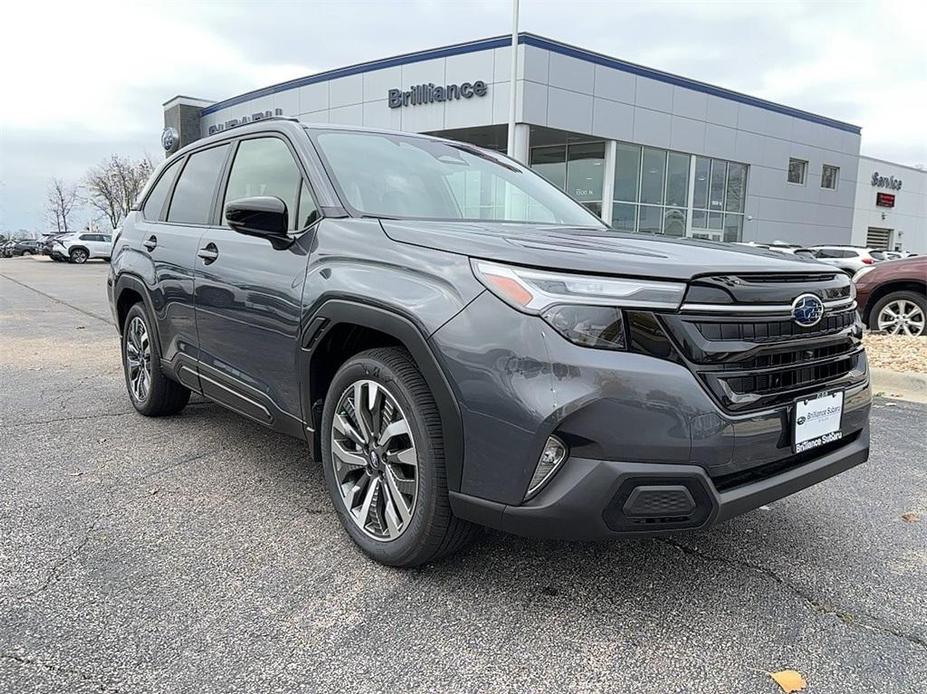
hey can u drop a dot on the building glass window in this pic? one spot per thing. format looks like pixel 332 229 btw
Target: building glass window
pixel 584 174
pixel 719 185
pixel 797 170
pixel 829 175
pixel 651 219
pixel 624 216
pixel 550 162
pixel 653 172
pixel 652 194
pixel 700 192
pixel 736 187
pixel 576 169
pixel 674 221
pixel 716 187
pixel 627 172
pixel 677 179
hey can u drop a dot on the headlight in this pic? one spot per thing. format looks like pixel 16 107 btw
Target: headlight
pixel 584 309
pixel 600 327
pixel 532 291
pixel 862 271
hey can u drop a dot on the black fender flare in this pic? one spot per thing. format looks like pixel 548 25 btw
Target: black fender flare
pixel 136 284
pixel 413 338
pixel 76 247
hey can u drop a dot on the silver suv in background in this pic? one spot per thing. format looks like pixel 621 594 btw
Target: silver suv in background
pixel 79 248
pixel 850 259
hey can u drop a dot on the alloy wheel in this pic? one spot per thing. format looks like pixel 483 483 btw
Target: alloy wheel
pixel 138 359
pixel 79 256
pixel 374 460
pixel 901 317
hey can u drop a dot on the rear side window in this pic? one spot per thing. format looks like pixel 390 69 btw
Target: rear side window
pixel 154 205
pixel 196 187
pixel 264 166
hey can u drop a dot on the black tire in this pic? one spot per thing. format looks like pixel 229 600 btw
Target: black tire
pixel 79 256
pixel 164 397
pixel 433 531
pixel 918 299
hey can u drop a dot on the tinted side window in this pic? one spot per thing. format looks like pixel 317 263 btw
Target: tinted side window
pixel 196 187
pixel 154 205
pixel 264 166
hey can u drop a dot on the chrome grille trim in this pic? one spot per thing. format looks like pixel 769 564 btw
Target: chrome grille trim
pixel 784 310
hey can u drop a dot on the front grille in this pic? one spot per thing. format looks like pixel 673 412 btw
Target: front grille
pixel 761 331
pixel 789 379
pixel 750 361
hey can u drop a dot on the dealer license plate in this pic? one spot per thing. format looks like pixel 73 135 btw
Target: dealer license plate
pixel 817 420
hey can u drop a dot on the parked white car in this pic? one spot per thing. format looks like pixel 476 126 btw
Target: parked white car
pixel 79 248
pixel 850 259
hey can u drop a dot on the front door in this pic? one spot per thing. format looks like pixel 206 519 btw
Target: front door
pixel 249 291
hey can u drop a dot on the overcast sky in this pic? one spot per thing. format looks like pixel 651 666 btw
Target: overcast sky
pixel 82 80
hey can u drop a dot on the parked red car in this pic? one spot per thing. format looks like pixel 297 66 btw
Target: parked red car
pixel 892 296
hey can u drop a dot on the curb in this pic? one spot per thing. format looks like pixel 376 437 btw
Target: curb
pixel 899 384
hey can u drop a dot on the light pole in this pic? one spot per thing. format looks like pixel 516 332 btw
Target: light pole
pixel 511 142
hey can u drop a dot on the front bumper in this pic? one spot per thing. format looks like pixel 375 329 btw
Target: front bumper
pixel 592 499
pixel 627 418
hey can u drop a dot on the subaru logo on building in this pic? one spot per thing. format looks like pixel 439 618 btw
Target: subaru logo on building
pixel 169 138
pixel 807 310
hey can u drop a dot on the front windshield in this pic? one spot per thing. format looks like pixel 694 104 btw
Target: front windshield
pixel 386 175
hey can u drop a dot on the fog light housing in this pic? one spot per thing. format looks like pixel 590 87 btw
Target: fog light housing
pixel 552 457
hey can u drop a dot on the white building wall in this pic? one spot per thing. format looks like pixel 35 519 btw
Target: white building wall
pixel 907 219
pixel 361 99
pixel 579 95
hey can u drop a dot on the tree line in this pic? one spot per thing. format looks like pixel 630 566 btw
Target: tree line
pixel 109 189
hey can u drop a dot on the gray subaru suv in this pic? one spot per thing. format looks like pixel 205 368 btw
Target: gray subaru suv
pixel 461 344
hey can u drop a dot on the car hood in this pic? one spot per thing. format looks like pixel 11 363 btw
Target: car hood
pixel 602 251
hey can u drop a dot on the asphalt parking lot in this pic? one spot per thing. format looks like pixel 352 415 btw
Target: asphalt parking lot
pixel 200 553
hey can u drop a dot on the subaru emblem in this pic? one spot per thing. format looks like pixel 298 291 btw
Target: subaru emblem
pixel 169 138
pixel 807 310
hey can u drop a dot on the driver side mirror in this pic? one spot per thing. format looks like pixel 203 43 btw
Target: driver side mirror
pixel 261 215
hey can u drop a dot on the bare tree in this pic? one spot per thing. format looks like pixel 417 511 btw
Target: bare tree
pixel 114 185
pixel 62 199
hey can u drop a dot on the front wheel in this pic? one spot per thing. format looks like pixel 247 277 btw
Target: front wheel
pixel 79 256
pixel 900 313
pixel 383 460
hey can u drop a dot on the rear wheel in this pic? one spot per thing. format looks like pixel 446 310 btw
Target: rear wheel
pixel 900 313
pixel 152 393
pixel 383 459
pixel 79 256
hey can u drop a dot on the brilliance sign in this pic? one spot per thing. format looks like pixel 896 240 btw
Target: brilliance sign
pixel 430 94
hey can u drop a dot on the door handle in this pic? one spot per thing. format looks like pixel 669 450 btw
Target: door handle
pixel 208 253
pixel 151 243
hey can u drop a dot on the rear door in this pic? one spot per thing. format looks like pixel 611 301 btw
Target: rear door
pixel 176 214
pixel 249 290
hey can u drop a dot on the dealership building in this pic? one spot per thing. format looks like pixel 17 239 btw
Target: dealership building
pixel 646 150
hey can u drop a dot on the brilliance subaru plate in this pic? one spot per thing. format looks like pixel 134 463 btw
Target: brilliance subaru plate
pixel 817 420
